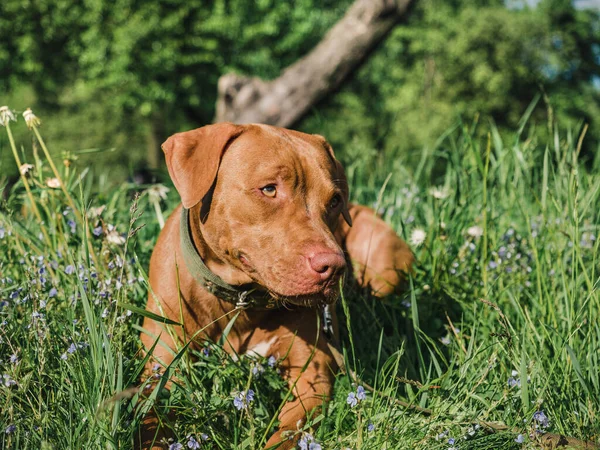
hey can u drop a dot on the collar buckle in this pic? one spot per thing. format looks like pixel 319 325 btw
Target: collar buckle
pixel 242 303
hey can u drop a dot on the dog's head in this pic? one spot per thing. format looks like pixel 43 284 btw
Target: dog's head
pixel 271 200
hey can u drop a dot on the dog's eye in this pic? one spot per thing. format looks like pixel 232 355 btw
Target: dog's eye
pixel 270 190
pixel 335 201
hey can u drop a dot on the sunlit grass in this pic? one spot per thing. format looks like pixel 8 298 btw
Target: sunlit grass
pixel 499 325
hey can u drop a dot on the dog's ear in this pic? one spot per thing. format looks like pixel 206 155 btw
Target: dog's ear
pixel 193 158
pixel 340 178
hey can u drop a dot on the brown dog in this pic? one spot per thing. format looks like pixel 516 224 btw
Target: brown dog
pixel 269 219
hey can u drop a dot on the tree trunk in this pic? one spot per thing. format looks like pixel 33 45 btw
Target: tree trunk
pixel 284 100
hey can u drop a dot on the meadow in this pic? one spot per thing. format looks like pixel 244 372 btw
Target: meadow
pixel 494 345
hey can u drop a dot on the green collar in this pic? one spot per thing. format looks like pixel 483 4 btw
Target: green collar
pixel 242 296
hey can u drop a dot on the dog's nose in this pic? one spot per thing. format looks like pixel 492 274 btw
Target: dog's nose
pixel 327 265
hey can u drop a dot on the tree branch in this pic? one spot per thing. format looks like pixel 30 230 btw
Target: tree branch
pixel 284 100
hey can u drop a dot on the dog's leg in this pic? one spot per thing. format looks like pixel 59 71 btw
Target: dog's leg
pixel 379 258
pixel 311 388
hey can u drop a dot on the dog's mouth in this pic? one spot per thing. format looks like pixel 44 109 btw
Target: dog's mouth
pixel 327 296
pixel 290 294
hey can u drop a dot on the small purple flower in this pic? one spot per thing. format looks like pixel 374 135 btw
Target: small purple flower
pixel 8 381
pixel 360 393
pixel 72 349
pixel 97 231
pixel 271 361
pixel 352 400
pixel 512 382
pixel 242 399
pixel 520 439
pixel 493 265
pixel 541 419
pixel 14 358
pixel 451 441
pixel 370 426
pixel 10 429
pixel 69 269
pixel 193 443
pixel 72 226
pixel 257 370
pixel 176 446
pixel 53 292
pixel 308 442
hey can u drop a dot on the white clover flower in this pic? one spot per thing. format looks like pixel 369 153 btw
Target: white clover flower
pixel 157 192
pixel 475 231
pixel 31 119
pixel 439 192
pixel 53 183
pixel 25 168
pixel 417 237
pixel 6 116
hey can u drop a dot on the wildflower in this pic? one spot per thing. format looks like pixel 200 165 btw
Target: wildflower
pixel 451 441
pixel 97 231
pixel 25 168
pixel 31 119
pixel 113 237
pixel 193 443
pixel 10 429
pixel 512 382
pixel 475 231
pixel 257 370
pixel 520 439
pixel 541 419
pixel 417 237
pixel 53 292
pixel 176 446
pixel 308 442
pixel 360 393
pixel 442 435
pixel 439 192
pixel 157 192
pixel 243 399
pixel 370 426
pixel 492 265
pixel 64 356
pixel 352 400
pixel 14 358
pixel 8 381
pixel 72 226
pixel 53 183
pixel 72 349
pixel 271 361
pixel 206 351
pixel 69 269
pixel 445 340
pixel 6 116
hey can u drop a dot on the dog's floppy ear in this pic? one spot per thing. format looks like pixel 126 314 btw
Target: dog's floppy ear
pixel 193 158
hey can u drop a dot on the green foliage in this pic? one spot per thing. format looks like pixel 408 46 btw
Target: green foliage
pixel 139 71
pixel 500 319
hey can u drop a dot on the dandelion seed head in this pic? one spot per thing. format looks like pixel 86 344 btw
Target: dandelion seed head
pixel 6 115
pixel 417 237
pixel 475 231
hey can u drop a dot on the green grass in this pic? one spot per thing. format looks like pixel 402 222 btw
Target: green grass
pixel 501 319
